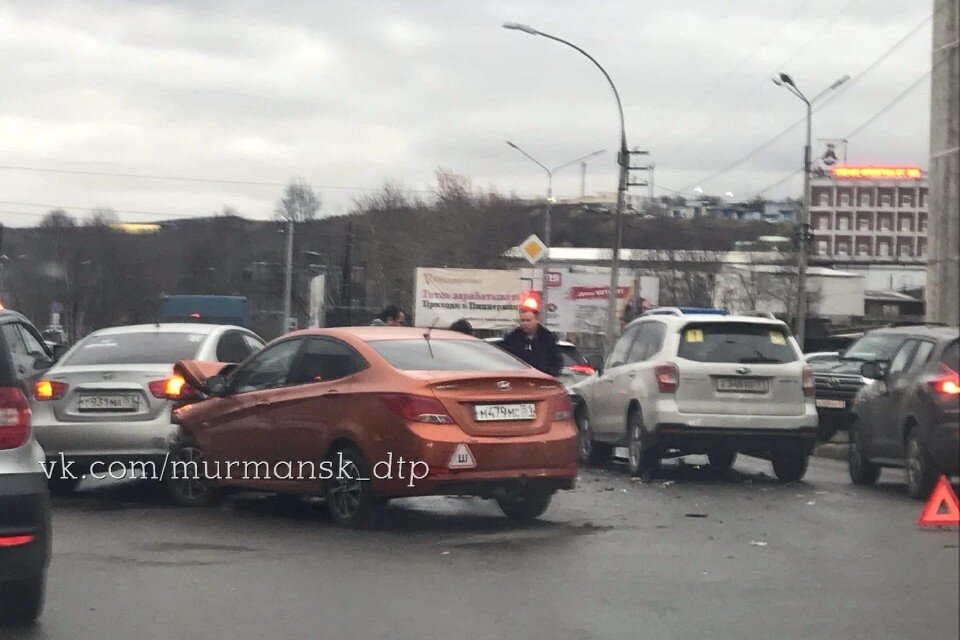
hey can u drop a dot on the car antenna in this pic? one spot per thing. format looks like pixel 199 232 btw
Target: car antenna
pixel 426 336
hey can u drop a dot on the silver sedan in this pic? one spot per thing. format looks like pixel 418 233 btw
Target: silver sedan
pixel 109 400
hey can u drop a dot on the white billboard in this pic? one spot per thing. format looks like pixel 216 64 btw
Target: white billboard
pixel 487 298
pixel 578 297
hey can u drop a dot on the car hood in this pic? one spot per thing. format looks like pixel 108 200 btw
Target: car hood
pixel 838 366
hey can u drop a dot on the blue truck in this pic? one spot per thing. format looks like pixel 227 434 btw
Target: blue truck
pixel 233 310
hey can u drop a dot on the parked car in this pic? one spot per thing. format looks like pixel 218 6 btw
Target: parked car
pixel 910 417
pixel 694 383
pixel 838 379
pixel 575 366
pixel 111 396
pixel 485 423
pixel 25 529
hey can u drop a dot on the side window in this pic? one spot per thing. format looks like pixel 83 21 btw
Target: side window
pixel 903 357
pixel 232 347
pixel 922 355
pixel 34 346
pixel 323 360
pixel 649 341
pixel 255 344
pixel 619 354
pixel 14 340
pixel 641 346
pixel 268 370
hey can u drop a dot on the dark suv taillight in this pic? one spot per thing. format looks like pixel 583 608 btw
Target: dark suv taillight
pixel 668 377
pixel 947 384
pixel 14 418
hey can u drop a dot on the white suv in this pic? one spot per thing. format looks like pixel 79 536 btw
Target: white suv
pixel 702 382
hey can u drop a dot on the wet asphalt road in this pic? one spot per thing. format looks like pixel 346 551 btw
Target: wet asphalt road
pixel 613 559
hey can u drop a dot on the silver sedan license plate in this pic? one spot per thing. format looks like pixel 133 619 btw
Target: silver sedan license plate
pixel 742 385
pixel 491 412
pixel 113 402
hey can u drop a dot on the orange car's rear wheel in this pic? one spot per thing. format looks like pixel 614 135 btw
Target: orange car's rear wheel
pixel 350 499
pixel 526 505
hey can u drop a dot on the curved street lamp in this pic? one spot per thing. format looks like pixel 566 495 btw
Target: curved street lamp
pixel 804 237
pixel 623 159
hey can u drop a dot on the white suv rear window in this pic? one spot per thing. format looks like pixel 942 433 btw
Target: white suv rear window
pixel 739 342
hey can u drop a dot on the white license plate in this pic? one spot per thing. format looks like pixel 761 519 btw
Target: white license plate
pixel 491 412
pixel 114 402
pixel 742 385
pixel 831 404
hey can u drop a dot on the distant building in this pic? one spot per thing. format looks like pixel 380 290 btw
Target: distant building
pixel 869 214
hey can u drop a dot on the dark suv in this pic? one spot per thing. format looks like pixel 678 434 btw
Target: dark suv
pixel 24 499
pixel 910 415
pixel 839 380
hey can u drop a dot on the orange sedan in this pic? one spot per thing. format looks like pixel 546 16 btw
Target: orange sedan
pixel 364 414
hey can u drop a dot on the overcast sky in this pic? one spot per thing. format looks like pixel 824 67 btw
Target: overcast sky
pixel 349 94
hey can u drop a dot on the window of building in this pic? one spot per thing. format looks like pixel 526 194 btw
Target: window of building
pixel 822 247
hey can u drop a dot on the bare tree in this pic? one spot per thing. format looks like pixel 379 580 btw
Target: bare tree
pixel 299 203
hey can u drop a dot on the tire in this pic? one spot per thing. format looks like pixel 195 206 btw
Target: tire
pixel 350 499
pixel 196 490
pixel 528 505
pixel 791 467
pixel 862 471
pixel 642 464
pixel 721 461
pixel 920 470
pixel 22 600
pixel 62 486
pixel 589 450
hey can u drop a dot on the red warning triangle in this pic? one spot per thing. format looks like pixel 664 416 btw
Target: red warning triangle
pixel 942 498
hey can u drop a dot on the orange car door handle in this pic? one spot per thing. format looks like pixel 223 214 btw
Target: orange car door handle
pixel 332 392
pixel 263 403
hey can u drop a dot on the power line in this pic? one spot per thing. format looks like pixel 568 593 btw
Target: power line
pixel 143 176
pixel 129 212
pixel 733 69
pixel 829 24
pixel 823 104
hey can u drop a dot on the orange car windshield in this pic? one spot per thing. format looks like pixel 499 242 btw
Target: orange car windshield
pixel 446 355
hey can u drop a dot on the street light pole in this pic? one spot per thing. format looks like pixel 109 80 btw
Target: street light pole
pixel 549 210
pixel 804 237
pixel 623 159
pixel 287 280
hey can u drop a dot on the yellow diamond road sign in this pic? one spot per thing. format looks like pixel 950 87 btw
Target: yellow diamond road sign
pixel 533 249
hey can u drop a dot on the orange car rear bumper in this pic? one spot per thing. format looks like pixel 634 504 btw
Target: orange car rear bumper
pixel 548 459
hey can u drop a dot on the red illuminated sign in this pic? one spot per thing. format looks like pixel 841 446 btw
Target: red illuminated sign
pixel 877 173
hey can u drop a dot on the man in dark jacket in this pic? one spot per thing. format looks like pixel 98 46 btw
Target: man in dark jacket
pixel 534 343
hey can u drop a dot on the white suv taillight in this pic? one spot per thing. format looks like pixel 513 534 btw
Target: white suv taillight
pixel 14 418
pixel 668 377
pixel 809 382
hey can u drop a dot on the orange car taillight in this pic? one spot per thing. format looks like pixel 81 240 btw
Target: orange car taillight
pixel 14 418
pixel 416 408
pixel 668 377
pixel 564 408
pixel 948 384
pixel 173 388
pixel 49 390
pixel 809 382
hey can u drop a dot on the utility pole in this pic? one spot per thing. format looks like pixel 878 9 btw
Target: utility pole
pixel 583 179
pixel 805 239
pixel 288 274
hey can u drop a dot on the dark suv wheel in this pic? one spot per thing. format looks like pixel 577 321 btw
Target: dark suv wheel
pixel 862 471
pixel 791 466
pixel 920 469
pixel 642 463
